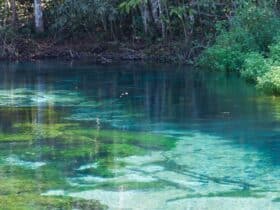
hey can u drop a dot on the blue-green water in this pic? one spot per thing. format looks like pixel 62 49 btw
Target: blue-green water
pixel 135 136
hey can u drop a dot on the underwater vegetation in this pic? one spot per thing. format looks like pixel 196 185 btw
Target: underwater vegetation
pixel 34 202
pixel 71 142
pixel 73 132
pixel 21 189
pixel 42 148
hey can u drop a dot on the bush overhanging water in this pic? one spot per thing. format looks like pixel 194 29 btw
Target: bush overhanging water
pixel 250 46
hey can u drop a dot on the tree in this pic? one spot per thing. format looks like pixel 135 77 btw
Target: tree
pixel 14 13
pixel 38 14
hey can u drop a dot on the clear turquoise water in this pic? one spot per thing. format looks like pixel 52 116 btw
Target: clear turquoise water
pixel 135 136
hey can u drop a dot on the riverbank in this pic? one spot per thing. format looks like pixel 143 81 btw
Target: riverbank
pixel 100 52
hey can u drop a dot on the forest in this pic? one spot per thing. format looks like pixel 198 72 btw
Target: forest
pixel 187 25
pixel 227 35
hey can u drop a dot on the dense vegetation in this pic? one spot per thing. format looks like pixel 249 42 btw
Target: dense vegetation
pixel 180 24
pixel 156 19
pixel 249 44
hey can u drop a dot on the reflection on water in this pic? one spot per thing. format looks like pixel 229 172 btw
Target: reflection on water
pixel 80 136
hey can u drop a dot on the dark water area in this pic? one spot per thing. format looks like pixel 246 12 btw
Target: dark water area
pixel 135 136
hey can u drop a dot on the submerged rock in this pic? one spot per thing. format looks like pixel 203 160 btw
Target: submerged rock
pixel 88 166
pixel 13 160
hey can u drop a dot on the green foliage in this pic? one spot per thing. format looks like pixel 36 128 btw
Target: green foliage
pixel 253 29
pixel 178 12
pixel 7 38
pixel 76 17
pixel 248 44
pixel 72 132
pixel 261 23
pixel 274 53
pixel 221 59
pixel 229 51
pixel 270 81
pixel 254 66
pixel 129 5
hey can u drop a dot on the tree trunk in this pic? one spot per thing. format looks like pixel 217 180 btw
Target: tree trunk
pixel 160 19
pixel 38 13
pixel 14 13
pixel 153 20
pixel 145 16
pixel 157 14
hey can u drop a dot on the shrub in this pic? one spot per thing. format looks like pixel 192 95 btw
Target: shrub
pixel 228 52
pixel 253 29
pixel 75 17
pixel 274 54
pixel 260 22
pixel 270 81
pixel 221 58
pixel 254 66
pixel 7 42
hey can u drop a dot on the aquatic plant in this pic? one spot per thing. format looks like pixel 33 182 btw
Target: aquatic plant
pixel 141 139
pixel 74 132
pixel 39 130
pixel 31 201
pixel 21 189
pixel 31 132
pixel 9 137
pixel 122 150
pixel 67 146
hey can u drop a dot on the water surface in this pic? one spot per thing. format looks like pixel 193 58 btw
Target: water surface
pixel 135 136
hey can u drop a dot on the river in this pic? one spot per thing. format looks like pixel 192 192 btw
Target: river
pixel 135 136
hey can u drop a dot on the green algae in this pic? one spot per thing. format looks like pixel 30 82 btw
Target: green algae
pixel 105 167
pixel 19 178
pixel 102 150
pixel 35 202
pixel 145 140
pixel 78 152
pixel 45 131
pixel 21 189
pixel 74 132
pixel 91 151
pixel 104 157
pixel 15 137
pixel 16 186
pixel 101 171
pixel 122 150
pixel 63 145
pixel 30 132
